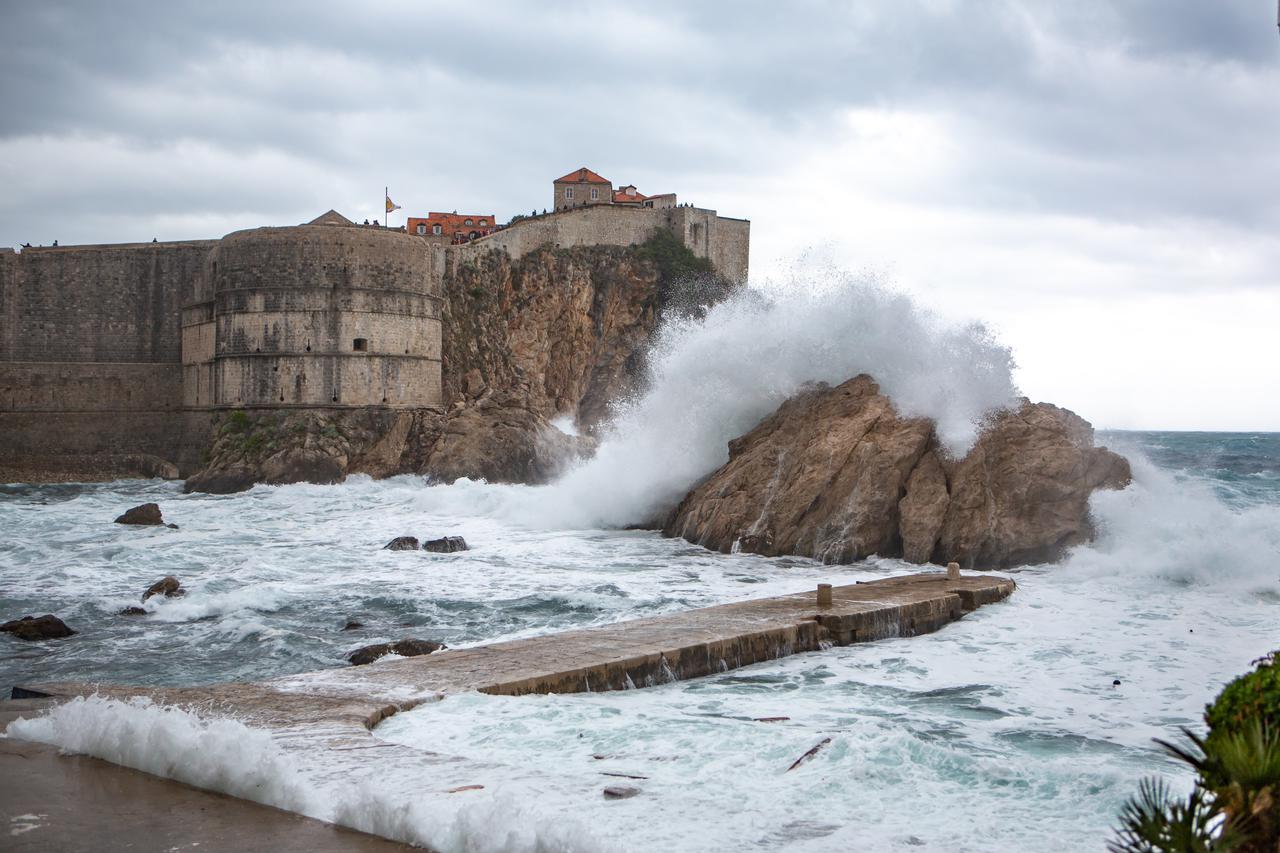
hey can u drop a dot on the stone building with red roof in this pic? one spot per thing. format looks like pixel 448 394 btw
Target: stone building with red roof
pixel 452 228
pixel 580 188
pixel 583 187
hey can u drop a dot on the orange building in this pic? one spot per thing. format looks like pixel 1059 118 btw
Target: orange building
pixel 452 227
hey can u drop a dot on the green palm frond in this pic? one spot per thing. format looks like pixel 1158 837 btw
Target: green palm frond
pixel 1155 821
pixel 1249 758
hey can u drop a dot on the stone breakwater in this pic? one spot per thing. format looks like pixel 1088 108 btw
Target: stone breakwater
pixel 321 724
pixel 635 653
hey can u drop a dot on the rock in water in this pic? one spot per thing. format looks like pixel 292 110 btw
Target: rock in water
pixel 405 648
pixel 445 545
pixel 836 474
pixel 145 514
pixel 46 627
pixel 168 586
pixel 402 543
pixel 620 792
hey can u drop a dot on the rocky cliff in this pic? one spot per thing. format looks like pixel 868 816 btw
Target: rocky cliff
pixel 836 474
pixel 558 333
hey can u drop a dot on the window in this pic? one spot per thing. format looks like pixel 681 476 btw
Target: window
pixel 360 345
pixel 466 222
pixel 595 193
pixel 435 229
pixel 484 222
pixel 568 192
pixel 422 229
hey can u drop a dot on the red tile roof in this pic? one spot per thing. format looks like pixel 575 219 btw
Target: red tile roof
pixel 581 176
pixel 454 223
pixel 621 196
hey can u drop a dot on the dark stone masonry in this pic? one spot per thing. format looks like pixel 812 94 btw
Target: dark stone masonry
pixel 127 359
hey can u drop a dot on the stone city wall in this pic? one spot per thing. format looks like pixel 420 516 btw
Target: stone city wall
pixel 98 303
pixel 90 351
pixel 129 348
pixel 87 387
pixel 326 380
pixel 319 316
pixel 724 241
pixel 50 411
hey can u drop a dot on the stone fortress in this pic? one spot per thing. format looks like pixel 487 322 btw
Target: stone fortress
pixel 128 348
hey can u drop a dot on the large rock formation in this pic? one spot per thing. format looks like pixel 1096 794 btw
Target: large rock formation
pixel 558 333
pixel 836 474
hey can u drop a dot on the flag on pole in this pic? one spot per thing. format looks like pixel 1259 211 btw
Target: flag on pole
pixel 391 205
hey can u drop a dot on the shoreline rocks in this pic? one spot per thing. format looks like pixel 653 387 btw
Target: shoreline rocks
pixel 168 586
pixel 408 648
pixel 445 545
pixel 837 475
pixel 144 515
pixel 46 627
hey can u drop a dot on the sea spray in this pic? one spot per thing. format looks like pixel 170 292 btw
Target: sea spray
pixel 714 377
pixel 216 754
pixel 227 756
pixel 1175 528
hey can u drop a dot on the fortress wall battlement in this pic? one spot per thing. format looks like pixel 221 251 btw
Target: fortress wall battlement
pixel 126 348
pixel 318 315
pixel 325 257
pixel 105 304
pixel 726 242
pixel 90 351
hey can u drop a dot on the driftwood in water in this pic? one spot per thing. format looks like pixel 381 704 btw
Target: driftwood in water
pixel 810 754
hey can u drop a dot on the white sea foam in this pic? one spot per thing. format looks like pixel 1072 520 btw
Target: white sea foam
pixel 227 756
pixel 1175 528
pixel 216 754
pixel 713 378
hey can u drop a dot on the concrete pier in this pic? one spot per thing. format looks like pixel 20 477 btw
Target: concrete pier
pixel 330 715
pixel 635 653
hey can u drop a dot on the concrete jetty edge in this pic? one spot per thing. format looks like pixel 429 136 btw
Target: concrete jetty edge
pixel 327 717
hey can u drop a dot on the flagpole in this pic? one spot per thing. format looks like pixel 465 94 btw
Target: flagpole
pixel 386 214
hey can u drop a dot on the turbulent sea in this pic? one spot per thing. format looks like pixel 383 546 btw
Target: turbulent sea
pixel 1004 731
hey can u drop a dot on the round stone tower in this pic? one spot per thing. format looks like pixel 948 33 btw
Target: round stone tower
pixel 325 316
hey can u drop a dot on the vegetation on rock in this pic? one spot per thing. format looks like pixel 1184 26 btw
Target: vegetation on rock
pixel 675 261
pixel 1235 804
pixel 1252 696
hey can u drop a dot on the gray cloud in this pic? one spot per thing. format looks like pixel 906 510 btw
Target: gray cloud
pixel 1133 110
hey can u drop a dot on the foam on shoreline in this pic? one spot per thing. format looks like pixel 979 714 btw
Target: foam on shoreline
pixel 229 757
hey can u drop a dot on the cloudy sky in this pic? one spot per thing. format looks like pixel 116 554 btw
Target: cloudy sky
pixel 1099 182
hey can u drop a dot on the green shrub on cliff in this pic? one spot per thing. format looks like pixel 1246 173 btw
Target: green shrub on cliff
pixel 254 442
pixel 675 260
pixel 238 421
pixel 1235 805
pixel 1252 696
